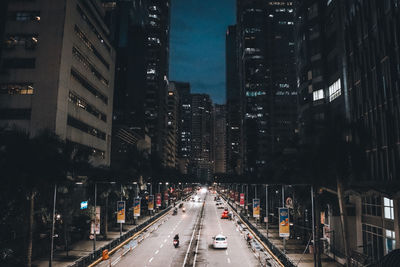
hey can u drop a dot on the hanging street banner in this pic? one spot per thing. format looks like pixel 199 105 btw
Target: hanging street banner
pixel 284 230
pixel 150 203
pixel 241 199
pixel 236 196
pixel 136 207
pixel 96 222
pixel 158 200
pixel 166 197
pixel 256 208
pixel 121 212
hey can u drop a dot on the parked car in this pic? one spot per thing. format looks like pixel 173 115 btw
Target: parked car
pixel 220 241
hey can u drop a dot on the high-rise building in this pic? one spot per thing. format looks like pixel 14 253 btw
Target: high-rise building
pixel 234 106
pixel 61 82
pixel 184 125
pixel 219 138
pixel 157 65
pixel 171 141
pixel 267 78
pixel 201 165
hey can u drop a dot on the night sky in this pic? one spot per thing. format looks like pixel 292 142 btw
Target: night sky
pixel 197 45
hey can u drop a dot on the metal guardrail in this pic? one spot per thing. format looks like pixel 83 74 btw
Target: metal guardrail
pixel 277 252
pixel 89 259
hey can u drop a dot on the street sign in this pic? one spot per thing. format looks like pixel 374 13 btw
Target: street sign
pixel 256 208
pixel 84 205
pixel 136 207
pixel 284 230
pixel 121 212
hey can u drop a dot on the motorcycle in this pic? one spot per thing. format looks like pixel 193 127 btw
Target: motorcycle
pixel 176 243
pixel 183 209
pixel 175 212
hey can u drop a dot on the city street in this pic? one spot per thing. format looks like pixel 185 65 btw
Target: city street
pixel 157 248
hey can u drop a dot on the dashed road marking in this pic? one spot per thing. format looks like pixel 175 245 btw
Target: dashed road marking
pixel 161 245
pixel 151 259
pixel 226 252
pixel 157 252
pixel 229 260
pixel 165 240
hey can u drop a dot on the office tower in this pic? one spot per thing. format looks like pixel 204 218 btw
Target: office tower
pixel 234 106
pixel 201 134
pixel 171 140
pixel 267 78
pixel 61 82
pixel 219 138
pixel 184 125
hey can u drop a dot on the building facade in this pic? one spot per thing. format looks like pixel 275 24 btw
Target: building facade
pixel 184 125
pixel 267 78
pixel 234 106
pixel 219 138
pixel 61 82
pixel 201 165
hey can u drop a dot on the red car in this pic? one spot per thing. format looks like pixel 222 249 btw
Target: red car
pixel 224 215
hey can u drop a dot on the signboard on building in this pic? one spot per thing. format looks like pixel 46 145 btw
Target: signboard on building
pixel 284 228
pixel 121 212
pixel 256 208
pixel 136 207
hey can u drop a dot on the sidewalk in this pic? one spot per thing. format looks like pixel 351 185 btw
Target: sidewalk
pixel 295 249
pixel 84 247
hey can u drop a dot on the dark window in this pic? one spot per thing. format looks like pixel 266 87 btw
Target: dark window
pixel 83 104
pixel 17 88
pixel 19 63
pixel 24 15
pixel 15 114
pixel 88 65
pixel 92 27
pixel 91 47
pixel 29 41
pixel 81 79
pixel 87 149
pixel 80 125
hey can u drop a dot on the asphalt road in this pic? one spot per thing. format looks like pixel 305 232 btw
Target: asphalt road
pixel 157 249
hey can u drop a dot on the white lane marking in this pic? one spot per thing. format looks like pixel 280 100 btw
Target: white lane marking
pixel 165 240
pixel 169 235
pixel 229 260
pixel 161 245
pixel 226 252
pixel 157 252
pixel 151 259
pixel 116 261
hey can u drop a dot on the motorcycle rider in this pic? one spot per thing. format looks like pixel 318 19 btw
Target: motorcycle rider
pixel 176 237
pixel 176 240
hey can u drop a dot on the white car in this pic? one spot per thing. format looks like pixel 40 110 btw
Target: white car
pixel 220 241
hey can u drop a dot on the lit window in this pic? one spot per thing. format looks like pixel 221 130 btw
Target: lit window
pixel 16 89
pixel 390 240
pixel 389 209
pixel 335 90
pixel 317 95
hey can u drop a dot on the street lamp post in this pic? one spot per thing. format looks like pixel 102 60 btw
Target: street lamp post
pixel 266 207
pixel 120 224
pixel 52 226
pixel 95 217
